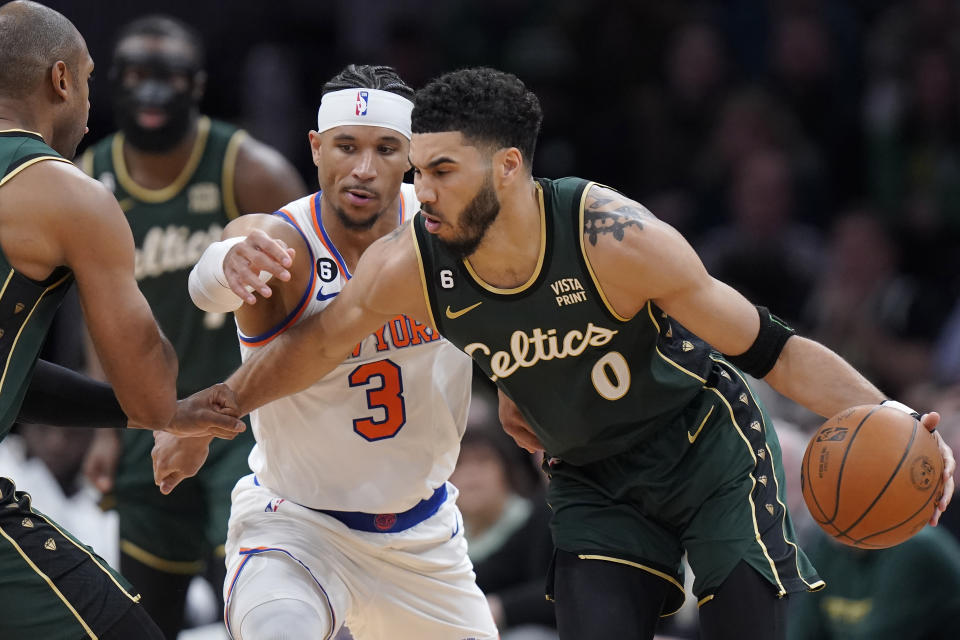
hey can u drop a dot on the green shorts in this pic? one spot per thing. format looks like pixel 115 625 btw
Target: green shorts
pixel 176 533
pixel 711 484
pixel 52 586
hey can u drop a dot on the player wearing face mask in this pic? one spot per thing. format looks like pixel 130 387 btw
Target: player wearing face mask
pixel 180 177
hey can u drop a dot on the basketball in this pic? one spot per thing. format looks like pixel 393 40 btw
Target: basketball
pixel 871 476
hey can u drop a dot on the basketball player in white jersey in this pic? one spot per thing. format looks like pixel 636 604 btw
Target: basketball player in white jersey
pixel 348 516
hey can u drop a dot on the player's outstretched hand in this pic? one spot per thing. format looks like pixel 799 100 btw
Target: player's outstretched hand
pixel 516 425
pixel 930 421
pixel 176 458
pixel 246 260
pixel 210 412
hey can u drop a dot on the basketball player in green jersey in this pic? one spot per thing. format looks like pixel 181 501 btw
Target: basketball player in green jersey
pixel 180 178
pixel 58 226
pixel 602 326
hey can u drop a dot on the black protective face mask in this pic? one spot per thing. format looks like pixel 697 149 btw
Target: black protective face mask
pixel 153 89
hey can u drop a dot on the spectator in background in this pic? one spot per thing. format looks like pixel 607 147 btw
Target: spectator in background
pixel 751 121
pixel 913 149
pixel 676 113
pixel 881 320
pixel 507 533
pixel 812 71
pixel 907 592
pixel 763 251
pixel 49 460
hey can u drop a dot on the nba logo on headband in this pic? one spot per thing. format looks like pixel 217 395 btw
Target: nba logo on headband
pixel 352 107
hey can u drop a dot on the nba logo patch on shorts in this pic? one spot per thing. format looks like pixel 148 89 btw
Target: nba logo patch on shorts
pixel 362 99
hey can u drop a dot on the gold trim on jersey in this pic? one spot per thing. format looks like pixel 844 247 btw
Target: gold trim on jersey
pixel 423 275
pixel 227 181
pixel 35 133
pixel 49 582
pixel 160 195
pixel 180 567
pixel 113 579
pixel 5 179
pixel 660 353
pixel 704 600
pixel 642 567
pixel 783 520
pixel 753 484
pixel 586 260
pixel 537 269
pixel 26 321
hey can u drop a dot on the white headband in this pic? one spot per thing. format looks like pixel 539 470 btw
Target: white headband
pixel 367 107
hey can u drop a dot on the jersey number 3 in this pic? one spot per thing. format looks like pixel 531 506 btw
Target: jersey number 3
pixel 388 397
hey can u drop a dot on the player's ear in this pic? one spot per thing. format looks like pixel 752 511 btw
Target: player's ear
pixel 508 164
pixel 60 79
pixel 314 138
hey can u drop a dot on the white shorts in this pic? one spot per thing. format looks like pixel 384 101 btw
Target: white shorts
pixel 416 584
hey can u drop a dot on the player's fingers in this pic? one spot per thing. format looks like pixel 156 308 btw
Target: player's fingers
pixel 219 425
pixel 275 248
pixel 930 420
pixel 244 275
pixel 170 481
pixel 224 400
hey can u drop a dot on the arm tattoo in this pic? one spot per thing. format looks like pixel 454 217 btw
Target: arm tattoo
pixel 392 235
pixel 614 222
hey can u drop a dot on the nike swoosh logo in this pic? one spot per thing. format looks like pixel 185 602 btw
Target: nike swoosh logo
pixel 693 437
pixel 326 296
pixel 453 315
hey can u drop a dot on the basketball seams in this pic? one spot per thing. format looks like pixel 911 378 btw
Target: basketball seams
pixel 843 463
pixel 896 470
pixel 926 503
pixel 896 462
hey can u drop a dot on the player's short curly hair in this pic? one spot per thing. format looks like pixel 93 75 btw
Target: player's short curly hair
pixel 487 106
pixel 367 76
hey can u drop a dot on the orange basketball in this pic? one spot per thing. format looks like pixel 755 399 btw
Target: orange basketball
pixel 871 476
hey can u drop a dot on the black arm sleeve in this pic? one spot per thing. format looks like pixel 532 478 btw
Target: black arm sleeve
pixel 60 397
pixel 762 355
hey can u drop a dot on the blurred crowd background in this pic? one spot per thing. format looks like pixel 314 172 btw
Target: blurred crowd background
pixel 808 149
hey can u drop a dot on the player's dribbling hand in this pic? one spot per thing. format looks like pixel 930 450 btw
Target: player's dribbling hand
pixel 176 458
pixel 516 425
pixel 930 421
pixel 210 412
pixel 246 260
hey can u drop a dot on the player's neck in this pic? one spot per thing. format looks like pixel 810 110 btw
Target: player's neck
pixel 351 243
pixel 510 250
pixel 13 116
pixel 158 170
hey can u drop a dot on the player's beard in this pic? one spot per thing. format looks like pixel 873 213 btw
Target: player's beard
pixel 474 220
pixel 356 225
pixel 180 109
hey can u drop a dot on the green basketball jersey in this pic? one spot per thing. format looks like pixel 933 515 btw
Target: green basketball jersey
pixel 171 228
pixel 27 307
pixel 590 383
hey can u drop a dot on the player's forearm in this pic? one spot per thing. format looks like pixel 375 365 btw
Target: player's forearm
pixel 146 387
pixel 291 362
pixel 817 378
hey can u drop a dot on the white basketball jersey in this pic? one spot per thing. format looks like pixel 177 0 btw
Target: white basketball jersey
pixel 381 431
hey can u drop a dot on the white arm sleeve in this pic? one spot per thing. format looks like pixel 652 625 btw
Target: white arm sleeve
pixel 207 283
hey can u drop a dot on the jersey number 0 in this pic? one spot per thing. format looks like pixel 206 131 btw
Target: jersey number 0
pixel 388 397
